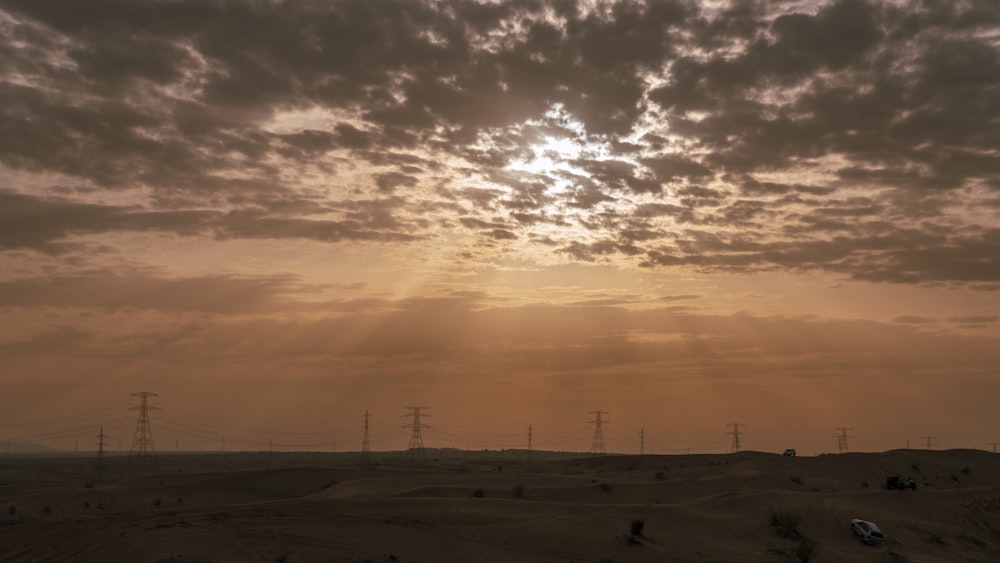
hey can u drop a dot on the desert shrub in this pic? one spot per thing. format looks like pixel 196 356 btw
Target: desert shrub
pixel 936 538
pixel 86 504
pixel 88 485
pixel 807 550
pixel 915 467
pixel 605 487
pixel 954 477
pixel 967 470
pixel 796 479
pixel 12 509
pixel 660 475
pixel 865 484
pixel 786 524
pixel 47 509
pixel 157 502
pixel 479 493
pixel 971 539
pixel 636 527
pixel 393 557
pixel 517 491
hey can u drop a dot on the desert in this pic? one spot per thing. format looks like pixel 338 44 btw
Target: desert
pixel 451 505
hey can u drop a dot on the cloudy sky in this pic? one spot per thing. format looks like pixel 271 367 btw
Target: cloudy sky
pixel 277 214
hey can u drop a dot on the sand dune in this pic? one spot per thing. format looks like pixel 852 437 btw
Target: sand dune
pixel 326 507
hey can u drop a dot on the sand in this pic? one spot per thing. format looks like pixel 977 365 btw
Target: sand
pixel 495 506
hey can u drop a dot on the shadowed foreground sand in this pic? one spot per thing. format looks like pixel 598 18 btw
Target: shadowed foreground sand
pixel 326 507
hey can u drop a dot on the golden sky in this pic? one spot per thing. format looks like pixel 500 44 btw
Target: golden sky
pixel 279 214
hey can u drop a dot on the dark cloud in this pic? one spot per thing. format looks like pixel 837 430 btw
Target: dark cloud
pixel 806 130
pixel 40 223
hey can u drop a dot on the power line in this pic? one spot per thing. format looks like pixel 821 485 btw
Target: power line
pixel 642 441
pixel 416 447
pixel 597 442
pixel 143 439
pixel 929 441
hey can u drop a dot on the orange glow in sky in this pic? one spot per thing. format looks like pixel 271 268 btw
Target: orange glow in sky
pixel 278 215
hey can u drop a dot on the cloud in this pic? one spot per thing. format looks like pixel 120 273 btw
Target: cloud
pixel 745 136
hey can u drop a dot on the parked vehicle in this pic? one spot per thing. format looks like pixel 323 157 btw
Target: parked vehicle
pixel 901 482
pixel 867 532
pixel 789 452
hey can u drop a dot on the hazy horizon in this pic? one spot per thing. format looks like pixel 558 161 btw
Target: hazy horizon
pixel 280 214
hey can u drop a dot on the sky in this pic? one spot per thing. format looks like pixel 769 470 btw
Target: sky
pixel 277 215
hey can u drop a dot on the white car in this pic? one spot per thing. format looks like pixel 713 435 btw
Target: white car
pixel 789 452
pixel 867 532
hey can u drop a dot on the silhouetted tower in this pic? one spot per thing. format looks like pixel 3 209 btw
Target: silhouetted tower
pixel 416 439
pixel 642 441
pixel 929 441
pixel 597 443
pixel 994 444
pixel 529 441
pixel 142 442
pixel 735 446
pixel 842 439
pixel 100 450
pixel 366 448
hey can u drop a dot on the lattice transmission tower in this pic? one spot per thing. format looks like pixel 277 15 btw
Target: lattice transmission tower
pixel 142 442
pixel 100 450
pixel 597 442
pixel 416 447
pixel 366 448
pixel 735 446
pixel 842 437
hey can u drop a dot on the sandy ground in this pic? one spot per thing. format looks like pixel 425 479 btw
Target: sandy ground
pixel 469 507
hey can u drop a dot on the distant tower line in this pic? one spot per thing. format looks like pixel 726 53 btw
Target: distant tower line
pixel 529 441
pixel 642 441
pixel 597 443
pixel 929 441
pixel 142 442
pixel 994 444
pixel 735 446
pixel 842 439
pixel 366 448
pixel 416 447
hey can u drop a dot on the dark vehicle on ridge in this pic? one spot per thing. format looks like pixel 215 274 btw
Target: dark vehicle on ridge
pixel 900 482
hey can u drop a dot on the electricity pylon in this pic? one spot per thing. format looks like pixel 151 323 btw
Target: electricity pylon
pixel 416 447
pixel 100 450
pixel 929 441
pixel 735 446
pixel 142 442
pixel 366 449
pixel 842 439
pixel 597 443
pixel 529 441
pixel 642 441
